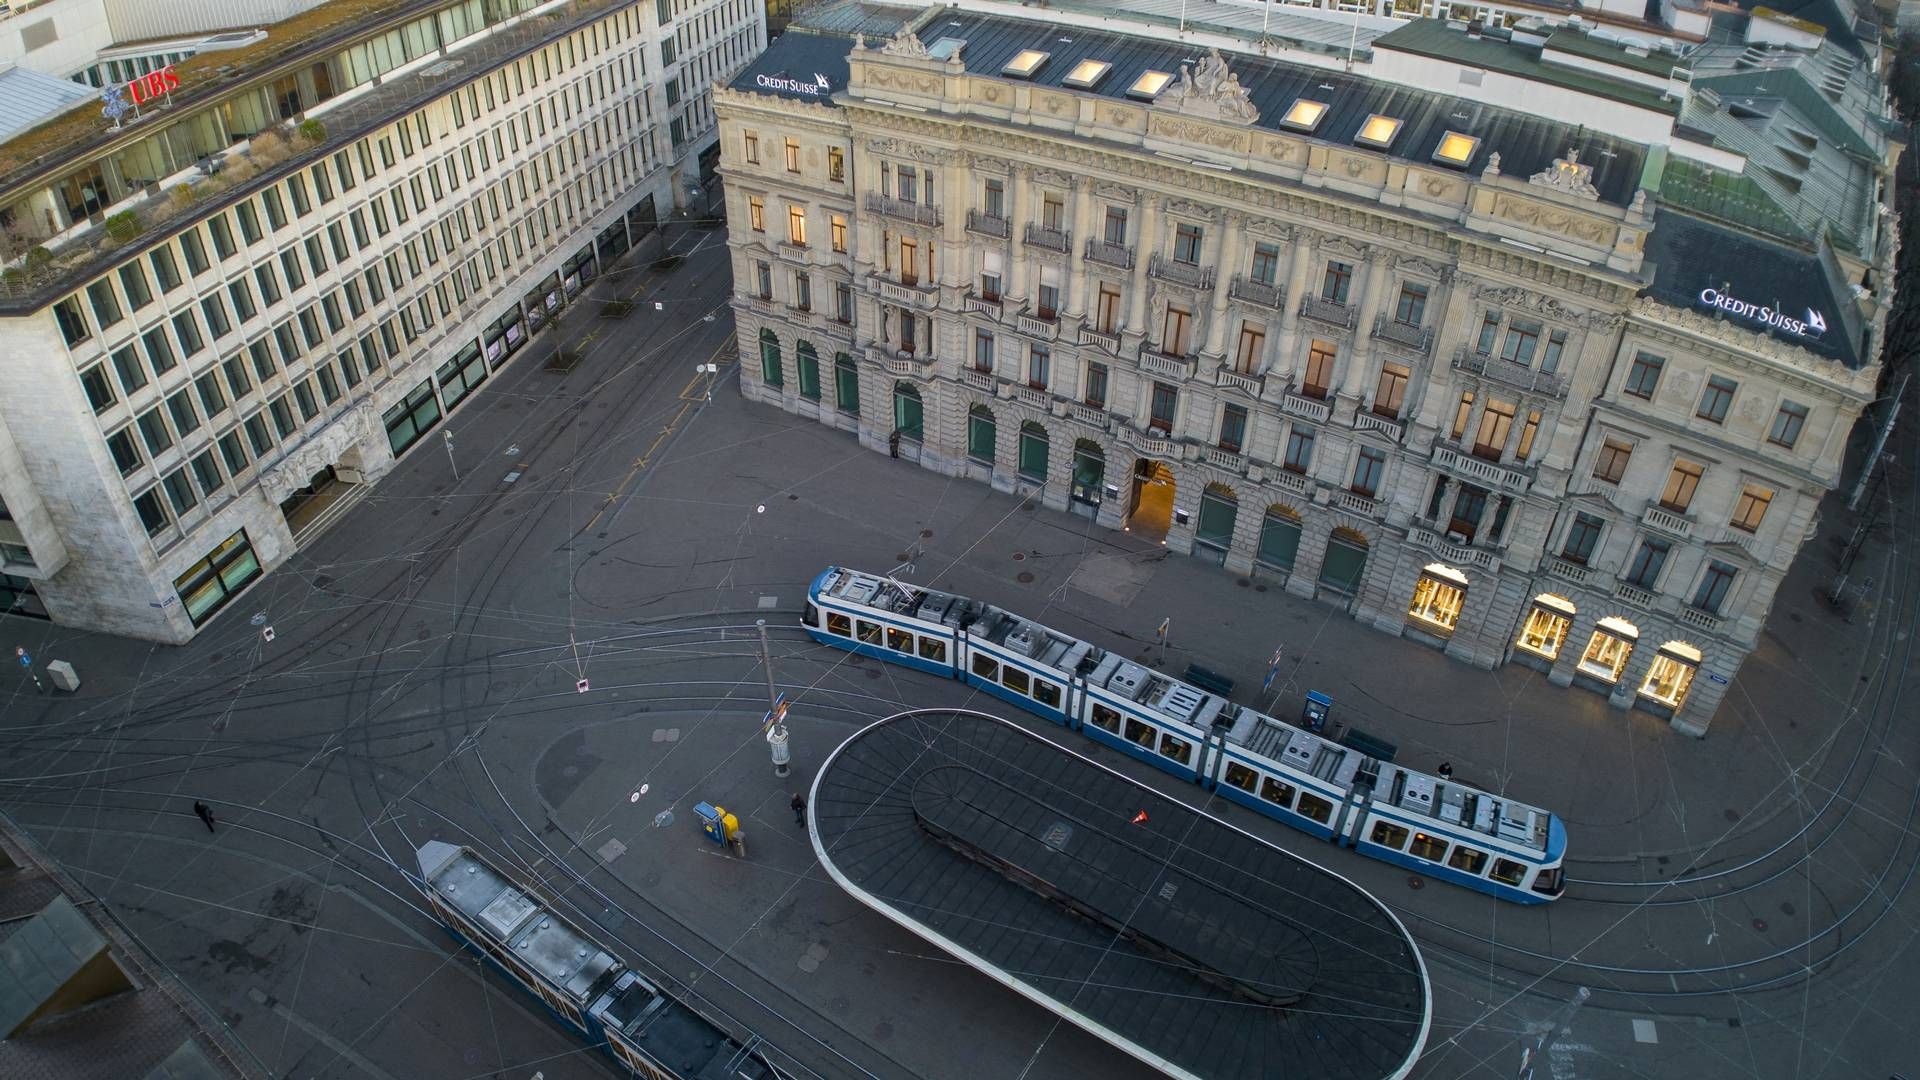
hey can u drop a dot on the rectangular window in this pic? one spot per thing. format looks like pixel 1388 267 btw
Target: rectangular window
pixel 982 350
pixel 233 453
pixel 1164 402
pixel 215 310
pixel 222 233
pixel 1522 339
pixel 756 213
pixel 99 391
pixel 1582 538
pixel 1266 263
pixel 1716 399
pixel 1097 385
pixel 1644 376
pixel 187 328
pixel 211 399
pixel 837 227
pixel 1787 424
pixel 180 408
pixel 235 369
pixel 126 454
pixel 1682 482
pixel 269 284
pixel 159 350
pixel 1186 244
pixel 1233 428
pixel 1108 311
pixel 1039 365
pixel 133 282
pixel 1496 422
pixel 1715 584
pixel 793 155
pixel 1337 281
pixel 796 226
pixel 1390 393
pixel 1751 509
pixel 259 436
pixel 206 473
pixel 282 413
pixel 1489 329
pixel 106 306
pixel 1299 450
pixel 1368 468
pixel 153 431
pixel 1252 346
pixel 1644 571
pixel 153 512
pixel 836 164
pixel 751 147
pixel 1412 306
pixel 73 325
pixel 1611 463
pixel 1318 377
pixel 164 269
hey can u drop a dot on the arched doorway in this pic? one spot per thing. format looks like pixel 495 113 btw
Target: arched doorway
pixel 1150 510
pixel 982 434
pixel 909 417
pixel 770 371
pixel 1345 562
pixel 1279 539
pixel 1213 532
pixel 1089 477
pixel 1035 449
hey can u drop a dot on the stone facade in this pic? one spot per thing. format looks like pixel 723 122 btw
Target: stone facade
pixel 1390 387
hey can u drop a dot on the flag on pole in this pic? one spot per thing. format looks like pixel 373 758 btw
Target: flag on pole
pixel 1165 625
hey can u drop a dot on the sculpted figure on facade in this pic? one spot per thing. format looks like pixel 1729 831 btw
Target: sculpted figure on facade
pixel 1568 177
pixel 905 43
pixel 1210 90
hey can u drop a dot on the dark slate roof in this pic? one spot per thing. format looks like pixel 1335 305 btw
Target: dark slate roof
pixel 797 59
pixel 1238 959
pixel 1526 144
pixel 1688 255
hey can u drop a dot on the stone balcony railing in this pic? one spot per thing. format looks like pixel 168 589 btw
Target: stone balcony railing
pixel 1355 503
pixel 1179 273
pixel 1155 362
pixel 913 294
pixel 1704 620
pixel 978 379
pixel 1222 458
pixel 902 210
pixel 1289 481
pixel 1301 405
pixel 979 221
pixel 1052 239
pixel 1100 339
pixel 1090 415
pixel 1384 425
pixel 982 305
pixel 1667 521
pixel 1449 549
pixel 1638 597
pixel 1240 380
pixel 1110 254
pixel 1417 339
pixel 1454 460
pixel 902 363
pixel 1037 325
pixel 1518 376
pixel 1258 292
pixel 1331 312
pixel 1565 568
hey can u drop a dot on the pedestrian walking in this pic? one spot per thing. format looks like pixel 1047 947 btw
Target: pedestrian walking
pixel 799 806
pixel 1445 770
pixel 204 813
pixel 893 443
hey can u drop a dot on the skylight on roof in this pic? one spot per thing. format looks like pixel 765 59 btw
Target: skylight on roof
pixel 1378 132
pixel 1087 73
pixel 1024 65
pixel 1305 115
pixel 946 48
pixel 1149 84
pixel 1456 149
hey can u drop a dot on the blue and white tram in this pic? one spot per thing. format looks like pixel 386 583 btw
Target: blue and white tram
pixel 1444 830
pixel 649 1031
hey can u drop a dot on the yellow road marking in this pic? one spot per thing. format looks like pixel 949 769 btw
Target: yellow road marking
pixel 638 464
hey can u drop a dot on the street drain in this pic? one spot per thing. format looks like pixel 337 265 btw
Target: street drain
pixel 1023 577
pixel 1019 556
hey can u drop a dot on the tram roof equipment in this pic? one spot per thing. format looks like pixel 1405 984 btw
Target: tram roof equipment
pixel 1177 938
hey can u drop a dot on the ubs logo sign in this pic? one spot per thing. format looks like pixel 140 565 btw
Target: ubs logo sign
pixel 1813 325
pixel 817 87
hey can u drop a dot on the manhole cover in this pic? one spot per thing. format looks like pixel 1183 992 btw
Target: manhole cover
pixel 615 309
pixel 563 360
pixel 1786 908
pixel 1019 556
pixel 1023 577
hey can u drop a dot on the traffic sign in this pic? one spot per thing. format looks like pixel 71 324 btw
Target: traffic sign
pixel 26 661
pixel 775 715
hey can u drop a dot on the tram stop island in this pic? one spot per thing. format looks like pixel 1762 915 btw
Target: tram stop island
pixel 1171 935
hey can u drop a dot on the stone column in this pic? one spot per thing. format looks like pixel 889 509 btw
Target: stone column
pixel 1638 664
pixel 1297 278
pixel 1354 380
pixel 1233 228
pixel 1017 288
pixel 1077 267
pixel 1148 242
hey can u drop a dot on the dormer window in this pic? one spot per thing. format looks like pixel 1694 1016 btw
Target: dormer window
pixel 1148 85
pixel 1378 132
pixel 1087 74
pixel 1024 65
pixel 1305 115
pixel 1456 149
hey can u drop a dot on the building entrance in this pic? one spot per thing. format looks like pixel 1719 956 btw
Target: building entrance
pixel 312 507
pixel 1150 512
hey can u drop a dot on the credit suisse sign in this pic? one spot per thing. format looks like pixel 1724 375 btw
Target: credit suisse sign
pixel 816 88
pixel 1813 325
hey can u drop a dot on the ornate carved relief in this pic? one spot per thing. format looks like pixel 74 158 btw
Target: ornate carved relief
pixel 1057 104
pixel 1568 177
pixel 1114 192
pixel 1441 187
pixel 1192 210
pixel 1198 133
pixel 1283 150
pixel 1343 248
pixel 1270 230
pixel 1048 178
pixel 1419 267
pixel 329 446
pixel 1358 166
pixel 894 79
pixel 1513 296
pixel 1209 89
pixel 1553 219
pixel 1118 117
pixel 990 91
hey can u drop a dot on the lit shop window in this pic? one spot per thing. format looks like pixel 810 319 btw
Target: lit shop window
pixel 1438 597
pixel 1546 627
pixel 1608 649
pixel 1671 675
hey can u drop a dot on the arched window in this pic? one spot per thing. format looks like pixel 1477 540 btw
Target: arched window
pixel 1089 472
pixel 1607 650
pixel 846 385
pixel 809 365
pixel 1345 561
pixel 770 359
pixel 982 434
pixel 1546 627
pixel 1279 538
pixel 909 419
pixel 1438 597
pixel 1671 675
pixel 1033 451
pixel 1219 507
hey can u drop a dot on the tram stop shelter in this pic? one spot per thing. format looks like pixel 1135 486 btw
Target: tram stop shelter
pixel 1167 933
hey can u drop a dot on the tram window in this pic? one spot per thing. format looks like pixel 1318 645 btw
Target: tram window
pixel 839 624
pixel 869 632
pixel 900 640
pixel 1508 872
pixel 1014 679
pixel 933 649
pixel 1241 777
pixel 1140 733
pixel 1315 807
pixel 1276 792
pixel 1105 718
pixel 1046 693
pixel 1179 750
pixel 1469 860
pixel 813 613
pixel 1390 835
pixel 985 667
pixel 1430 848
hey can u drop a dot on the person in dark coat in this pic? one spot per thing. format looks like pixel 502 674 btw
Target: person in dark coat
pixel 1446 770
pixel 799 806
pixel 204 813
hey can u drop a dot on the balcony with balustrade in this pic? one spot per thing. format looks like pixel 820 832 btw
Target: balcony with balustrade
pixel 1150 442
pixel 980 305
pixel 1668 521
pixel 1038 324
pixel 902 210
pixel 1380 425
pixel 1452 458
pixel 1242 381
pixel 1101 339
pixel 912 365
pixel 1191 275
pixel 1041 236
pixel 922 295
pixel 1636 596
pixel 1312 408
pixel 1700 619
pixel 979 221
pixel 1258 292
pixel 1506 372
pixel 1426 534
pixel 1567 568
pixel 1353 502
pixel 979 380
pixel 1090 414
pixel 1035 396
pixel 1331 312
pixel 1221 457
pixel 1414 339
pixel 1106 253
pixel 1165 365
